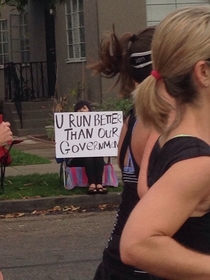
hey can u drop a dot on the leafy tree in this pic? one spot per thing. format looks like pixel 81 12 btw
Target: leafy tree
pixel 20 4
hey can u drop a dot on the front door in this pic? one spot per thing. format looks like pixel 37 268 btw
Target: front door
pixel 51 51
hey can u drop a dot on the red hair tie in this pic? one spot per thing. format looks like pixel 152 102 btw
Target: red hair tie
pixel 156 75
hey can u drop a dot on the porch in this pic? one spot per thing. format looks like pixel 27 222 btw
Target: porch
pixel 28 100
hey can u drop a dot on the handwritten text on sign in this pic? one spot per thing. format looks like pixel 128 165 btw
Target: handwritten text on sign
pixel 85 134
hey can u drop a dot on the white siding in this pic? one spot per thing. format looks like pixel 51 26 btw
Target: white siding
pixel 158 9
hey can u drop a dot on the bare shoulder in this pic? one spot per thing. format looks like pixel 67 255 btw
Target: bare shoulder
pixel 197 167
pixel 186 181
pixel 181 192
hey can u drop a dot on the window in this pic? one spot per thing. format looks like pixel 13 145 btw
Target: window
pixel 157 10
pixel 4 44
pixel 19 38
pixel 75 31
pixel 24 38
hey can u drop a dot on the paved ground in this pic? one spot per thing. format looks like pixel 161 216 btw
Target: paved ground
pixel 54 247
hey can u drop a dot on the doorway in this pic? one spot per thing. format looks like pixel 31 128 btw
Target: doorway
pixel 50 51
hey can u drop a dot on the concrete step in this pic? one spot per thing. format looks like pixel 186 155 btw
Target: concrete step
pixel 31 131
pixel 35 116
pixel 32 114
pixel 30 105
pixel 28 123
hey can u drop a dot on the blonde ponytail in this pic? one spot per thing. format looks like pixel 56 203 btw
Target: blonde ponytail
pixel 150 106
pixel 187 30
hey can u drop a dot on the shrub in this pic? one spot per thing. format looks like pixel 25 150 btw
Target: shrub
pixel 115 104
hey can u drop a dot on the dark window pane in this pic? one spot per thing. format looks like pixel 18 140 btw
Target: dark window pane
pixel 6 59
pixel 21 19
pixel 68 6
pixel 25 18
pixel 26 30
pixel 69 24
pixel 82 35
pixel 27 44
pixel 71 54
pixel 74 2
pixel 81 19
pixel 25 56
pixel 5 48
pixel 80 5
pixel 83 53
pixel 70 40
pixel 5 37
pixel 4 25
pixel 22 43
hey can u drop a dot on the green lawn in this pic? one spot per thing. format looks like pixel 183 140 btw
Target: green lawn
pixel 22 158
pixel 36 185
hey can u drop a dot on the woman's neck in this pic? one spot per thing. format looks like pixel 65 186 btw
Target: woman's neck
pixel 195 121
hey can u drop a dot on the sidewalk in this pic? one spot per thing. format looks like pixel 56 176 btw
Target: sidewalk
pixel 44 149
pixel 47 149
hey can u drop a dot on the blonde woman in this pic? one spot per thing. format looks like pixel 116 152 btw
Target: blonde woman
pixel 168 232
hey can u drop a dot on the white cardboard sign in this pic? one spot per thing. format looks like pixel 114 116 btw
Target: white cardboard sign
pixel 87 134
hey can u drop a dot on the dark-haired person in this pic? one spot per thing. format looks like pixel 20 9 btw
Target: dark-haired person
pixel 94 166
pixel 82 106
pixel 129 58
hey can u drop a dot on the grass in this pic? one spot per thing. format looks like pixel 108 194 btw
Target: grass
pixel 22 158
pixel 36 185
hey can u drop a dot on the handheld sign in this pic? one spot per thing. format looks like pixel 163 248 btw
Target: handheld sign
pixel 87 134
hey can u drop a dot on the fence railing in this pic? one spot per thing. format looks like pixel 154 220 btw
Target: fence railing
pixel 25 81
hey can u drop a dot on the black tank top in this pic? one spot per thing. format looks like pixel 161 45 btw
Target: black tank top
pixel 129 199
pixel 195 232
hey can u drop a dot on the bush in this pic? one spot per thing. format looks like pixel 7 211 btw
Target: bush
pixel 115 104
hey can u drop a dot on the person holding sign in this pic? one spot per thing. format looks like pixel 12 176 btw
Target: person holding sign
pixel 168 232
pixel 129 57
pixel 94 166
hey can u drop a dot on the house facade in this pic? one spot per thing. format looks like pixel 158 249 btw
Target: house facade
pixel 99 16
pixel 45 51
pixel 66 39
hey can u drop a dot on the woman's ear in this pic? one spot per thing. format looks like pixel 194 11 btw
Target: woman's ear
pixel 202 73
